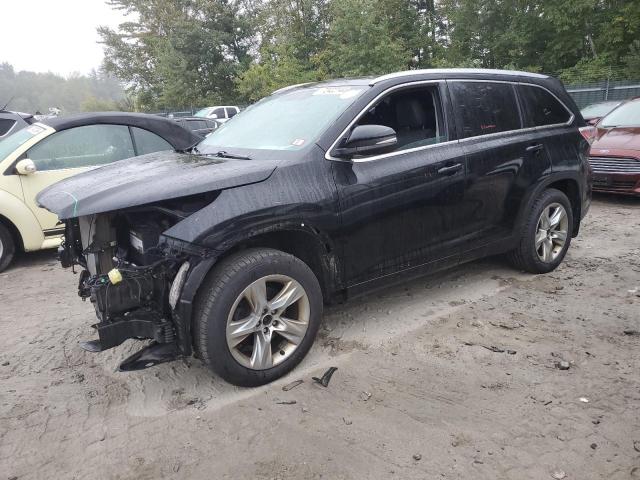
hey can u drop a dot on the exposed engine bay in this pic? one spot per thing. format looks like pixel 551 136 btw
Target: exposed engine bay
pixel 132 276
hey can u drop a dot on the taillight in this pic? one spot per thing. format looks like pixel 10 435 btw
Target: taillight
pixel 589 133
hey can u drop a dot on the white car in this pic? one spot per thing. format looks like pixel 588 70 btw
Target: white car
pixel 220 113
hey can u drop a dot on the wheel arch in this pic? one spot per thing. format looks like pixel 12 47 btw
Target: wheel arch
pixel 20 220
pixel 566 183
pixel 13 230
pixel 303 241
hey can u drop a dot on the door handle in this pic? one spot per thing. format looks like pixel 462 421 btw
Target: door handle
pixel 450 170
pixel 534 148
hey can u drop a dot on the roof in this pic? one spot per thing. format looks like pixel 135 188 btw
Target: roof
pixel 179 137
pixel 371 80
pixel 457 71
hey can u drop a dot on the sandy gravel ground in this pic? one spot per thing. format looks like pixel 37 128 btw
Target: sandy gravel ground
pixel 409 399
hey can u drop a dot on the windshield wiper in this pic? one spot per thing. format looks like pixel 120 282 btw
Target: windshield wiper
pixel 223 154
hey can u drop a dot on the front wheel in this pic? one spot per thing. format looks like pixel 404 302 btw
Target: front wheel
pixel 546 234
pixel 257 315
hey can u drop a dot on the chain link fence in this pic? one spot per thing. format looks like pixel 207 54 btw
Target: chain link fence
pixel 587 93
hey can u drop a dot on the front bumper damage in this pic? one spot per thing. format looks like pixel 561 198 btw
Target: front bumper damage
pixel 142 286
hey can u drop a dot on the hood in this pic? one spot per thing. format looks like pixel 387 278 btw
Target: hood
pixel 147 179
pixel 618 138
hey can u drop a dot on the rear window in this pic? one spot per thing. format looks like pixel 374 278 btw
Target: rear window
pixel 147 142
pixel 485 107
pixel 6 125
pixel 542 108
pixel 197 124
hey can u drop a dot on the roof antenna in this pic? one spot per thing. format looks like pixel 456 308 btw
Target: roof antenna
pixel 6 104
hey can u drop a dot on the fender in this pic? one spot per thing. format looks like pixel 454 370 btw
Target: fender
pixel 534 191
pixel 331 269
pixel 14 210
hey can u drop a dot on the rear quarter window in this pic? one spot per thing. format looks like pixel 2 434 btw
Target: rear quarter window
pixel 542 107
pixel 6 124
pixel 483 108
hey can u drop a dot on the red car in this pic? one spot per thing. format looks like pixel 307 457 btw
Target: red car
pixel 615 150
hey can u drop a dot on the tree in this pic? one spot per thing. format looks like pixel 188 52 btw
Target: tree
pixel 292 34
pixel 368 37
pixel 178 52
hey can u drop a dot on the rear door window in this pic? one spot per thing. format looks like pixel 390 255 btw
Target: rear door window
pixel 147 142
pixel 85 146
pixel 231 111
pixel 483 108
pixel 542 107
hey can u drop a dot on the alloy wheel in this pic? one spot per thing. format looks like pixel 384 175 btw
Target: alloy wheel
pixel 267 322
pixel 551 232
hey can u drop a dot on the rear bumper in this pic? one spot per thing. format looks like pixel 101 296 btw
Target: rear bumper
pixel 621 183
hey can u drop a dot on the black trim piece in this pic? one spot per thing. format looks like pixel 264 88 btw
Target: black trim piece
pixel 54 232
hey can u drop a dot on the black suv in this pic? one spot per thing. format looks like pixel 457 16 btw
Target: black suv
pixel 229 249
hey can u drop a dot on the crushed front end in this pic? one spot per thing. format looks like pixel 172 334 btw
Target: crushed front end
pixel 133 277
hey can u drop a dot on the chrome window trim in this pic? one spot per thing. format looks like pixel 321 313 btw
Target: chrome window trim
pixel 328 155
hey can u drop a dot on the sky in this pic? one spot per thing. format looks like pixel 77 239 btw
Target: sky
pixel 56 36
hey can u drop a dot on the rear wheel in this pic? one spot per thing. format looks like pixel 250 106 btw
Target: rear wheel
pixel 546 234
pixel 257 316
pixel 7 247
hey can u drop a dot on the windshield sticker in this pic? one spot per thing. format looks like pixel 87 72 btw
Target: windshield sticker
pixel 34 129
pixel 298 142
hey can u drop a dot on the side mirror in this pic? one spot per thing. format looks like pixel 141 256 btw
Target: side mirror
pixel 213 115
pixel 368 139
pixel 26 167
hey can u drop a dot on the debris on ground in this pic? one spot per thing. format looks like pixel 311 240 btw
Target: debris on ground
pixel 287 402
pixel 558 475
pixel 346 422
pixel 364 396
pixel 417 456
pixel 584 399
pixel 632 333
pixel 506 326
pixel 491 348
pixel 563 365
pixel 594 446
pixel 292 385
pixel 324 380
pixel 636 445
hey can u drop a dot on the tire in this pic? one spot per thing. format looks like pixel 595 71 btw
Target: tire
pixel 7 247
pixel 231 302
pixel 530 254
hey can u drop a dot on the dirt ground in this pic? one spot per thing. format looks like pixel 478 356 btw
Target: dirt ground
pixel 410 398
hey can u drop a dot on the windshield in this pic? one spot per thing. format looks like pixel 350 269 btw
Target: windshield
pixel 286 121
pixel 598 109
pixel 9 144
pixel 203 113
pixel 627 115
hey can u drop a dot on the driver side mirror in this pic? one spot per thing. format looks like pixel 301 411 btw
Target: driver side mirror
pixel 26 167
pixel 368 140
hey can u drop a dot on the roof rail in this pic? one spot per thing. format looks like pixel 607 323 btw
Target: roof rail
pixel 478 71
pixel 290 87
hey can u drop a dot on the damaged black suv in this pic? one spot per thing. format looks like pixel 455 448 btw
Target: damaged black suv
pixel 229 249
